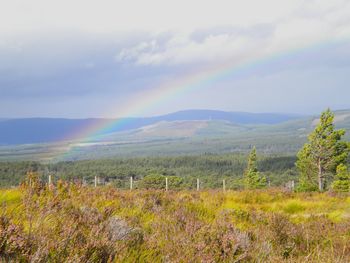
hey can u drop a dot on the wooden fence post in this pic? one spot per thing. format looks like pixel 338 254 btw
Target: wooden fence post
pixel 224 185
pixel 131 183
pixel 166 184
pixel 95 181
pixel 50 181
pixel 197 184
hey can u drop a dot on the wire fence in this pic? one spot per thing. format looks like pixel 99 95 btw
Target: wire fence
pixel 166 183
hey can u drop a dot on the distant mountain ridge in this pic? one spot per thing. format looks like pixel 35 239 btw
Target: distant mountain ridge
pixel 160 136
pixel 234 117
pixel 46 130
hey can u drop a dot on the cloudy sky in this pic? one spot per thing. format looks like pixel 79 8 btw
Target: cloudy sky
pixel 100 58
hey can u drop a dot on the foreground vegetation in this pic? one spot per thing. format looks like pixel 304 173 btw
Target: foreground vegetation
pixel 71 223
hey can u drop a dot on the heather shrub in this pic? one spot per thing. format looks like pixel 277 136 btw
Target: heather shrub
pixel 72 223
pixel 14 244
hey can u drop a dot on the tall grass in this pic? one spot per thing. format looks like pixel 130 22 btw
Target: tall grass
pixel 70 223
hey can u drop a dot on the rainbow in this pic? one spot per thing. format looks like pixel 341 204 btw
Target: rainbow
pixel 137 105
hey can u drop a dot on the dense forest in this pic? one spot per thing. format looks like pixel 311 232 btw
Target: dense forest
pixel 210 168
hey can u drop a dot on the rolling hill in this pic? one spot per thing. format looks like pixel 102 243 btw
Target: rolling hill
pixel 175 136
pixel 46 130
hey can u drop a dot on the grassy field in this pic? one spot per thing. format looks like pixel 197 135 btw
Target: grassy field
pixel 70 223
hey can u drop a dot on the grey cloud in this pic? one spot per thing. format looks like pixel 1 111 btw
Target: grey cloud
pixel 67 65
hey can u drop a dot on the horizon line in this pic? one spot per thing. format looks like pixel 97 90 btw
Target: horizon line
pixel 169 113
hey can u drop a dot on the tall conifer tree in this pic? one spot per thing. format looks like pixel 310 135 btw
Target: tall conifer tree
pixel 252 178
pixel 319 158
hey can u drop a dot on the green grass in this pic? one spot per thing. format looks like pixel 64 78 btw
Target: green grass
pixel 12 196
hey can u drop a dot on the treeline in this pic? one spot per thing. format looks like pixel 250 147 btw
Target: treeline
pixel 210 168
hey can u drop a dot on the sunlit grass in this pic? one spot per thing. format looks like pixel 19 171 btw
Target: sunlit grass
pixel 207 204
pixel 10 196
pixel 184 225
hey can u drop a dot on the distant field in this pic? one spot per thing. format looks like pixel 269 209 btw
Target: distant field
pixel 77 224
pixel 267 143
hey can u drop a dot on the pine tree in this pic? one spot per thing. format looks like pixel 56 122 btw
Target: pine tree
pixel 252 178
pixel 342 179
pixel 320 157
pixel 307 170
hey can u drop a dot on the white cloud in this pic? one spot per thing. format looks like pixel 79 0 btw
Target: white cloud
pixel 296 23
pixel 231 30
pixel 308 23
pixel 183 49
